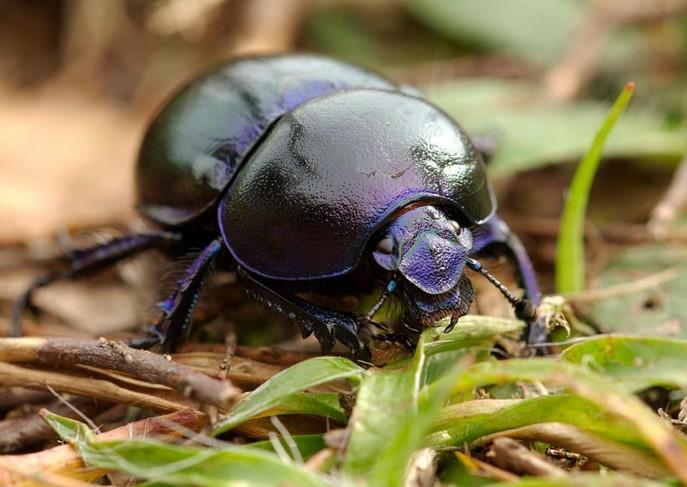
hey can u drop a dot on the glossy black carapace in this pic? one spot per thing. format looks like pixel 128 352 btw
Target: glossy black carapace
pixel 311 177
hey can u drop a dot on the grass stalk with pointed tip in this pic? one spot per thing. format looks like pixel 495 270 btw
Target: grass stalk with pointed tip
pixel 570 273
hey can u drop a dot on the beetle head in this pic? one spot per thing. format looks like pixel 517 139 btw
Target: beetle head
pixel 427 248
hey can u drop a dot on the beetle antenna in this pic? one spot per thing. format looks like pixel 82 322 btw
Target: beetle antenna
pixel 524 308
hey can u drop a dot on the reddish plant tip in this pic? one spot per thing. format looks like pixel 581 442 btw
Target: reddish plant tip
pixel 630 86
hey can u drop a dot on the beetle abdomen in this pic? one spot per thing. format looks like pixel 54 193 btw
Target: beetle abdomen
pixel 329 174
pixel 195 145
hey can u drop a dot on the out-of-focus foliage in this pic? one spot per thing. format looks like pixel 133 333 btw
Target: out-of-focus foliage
pixel 532 81
pixel 520 119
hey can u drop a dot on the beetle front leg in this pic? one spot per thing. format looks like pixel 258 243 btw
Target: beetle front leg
pixel 81 262
pixel 328 326
pixel 495 231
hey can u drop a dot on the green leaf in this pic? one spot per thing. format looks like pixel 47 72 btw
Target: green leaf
pixel 391 419
pixel 387 400
pixel 295 379
pixel 534 132
pixel 505 24
pixel 570 247
pixel 307 445
pixel 68 429
pixel 668 445
pixel 473 337
pixel 324 404
pixel 635 363
pixel 465 423
pixel 184 465
pixel 641 291
pixel 395 406
pixel 471 330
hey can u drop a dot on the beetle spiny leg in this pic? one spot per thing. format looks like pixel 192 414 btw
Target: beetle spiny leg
pixel 306 328
pixel 325 335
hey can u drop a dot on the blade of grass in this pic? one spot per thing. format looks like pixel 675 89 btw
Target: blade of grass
pixel 467 422
pixel 324 404
pixel 307 445
pixel 387 400
pixel 184 465
pixel 295 379
pixel 395 409
pixel 570 246
pixel 633 362
pixel 668 444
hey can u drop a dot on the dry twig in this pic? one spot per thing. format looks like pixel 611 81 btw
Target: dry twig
pixel 273 355
pixel 422 469
pixel 595 447
pixel 513 456
pixel 578 67
pixel 113 355
pixel 20 433
pixel 11 397
pixel 73 383
pixel 675 200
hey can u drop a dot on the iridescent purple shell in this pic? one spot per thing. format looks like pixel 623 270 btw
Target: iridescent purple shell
pixel 332 172
pixel 305 158
pixel 200 138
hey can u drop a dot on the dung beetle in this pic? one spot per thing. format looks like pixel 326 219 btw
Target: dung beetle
pixel 308 176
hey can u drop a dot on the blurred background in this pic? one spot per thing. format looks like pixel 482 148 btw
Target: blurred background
pixel 79 79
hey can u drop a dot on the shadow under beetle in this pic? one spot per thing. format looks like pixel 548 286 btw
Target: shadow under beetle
pixel 303 174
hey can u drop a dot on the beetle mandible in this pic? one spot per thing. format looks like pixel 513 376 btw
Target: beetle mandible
pixel 303 173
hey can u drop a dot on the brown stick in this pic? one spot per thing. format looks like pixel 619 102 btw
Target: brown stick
pixel 11 397
pixel 114 355
pixel 674 201
pixel 273 355
pixel 243 371
pixel 66 461
pixel 13 375
pixel 602 450
pixel 513 456
pixel 20 433
pixel 622 233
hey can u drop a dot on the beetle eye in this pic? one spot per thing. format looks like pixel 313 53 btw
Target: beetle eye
pixel 455 226
pixel 385 246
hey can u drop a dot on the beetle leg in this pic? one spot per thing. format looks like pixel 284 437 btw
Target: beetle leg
pixel 328 326
pixel 408 338
pixel 85 261
pixel 174 326
pixel 495 231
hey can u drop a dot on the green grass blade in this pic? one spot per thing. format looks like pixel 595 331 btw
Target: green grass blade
pixel 669 445
pixel 635 363
pixel 387 400
pixel 185 465
pixel 570 247
pixel 463 423
pixel 295 379
pixel 307 445
pixel 396 405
